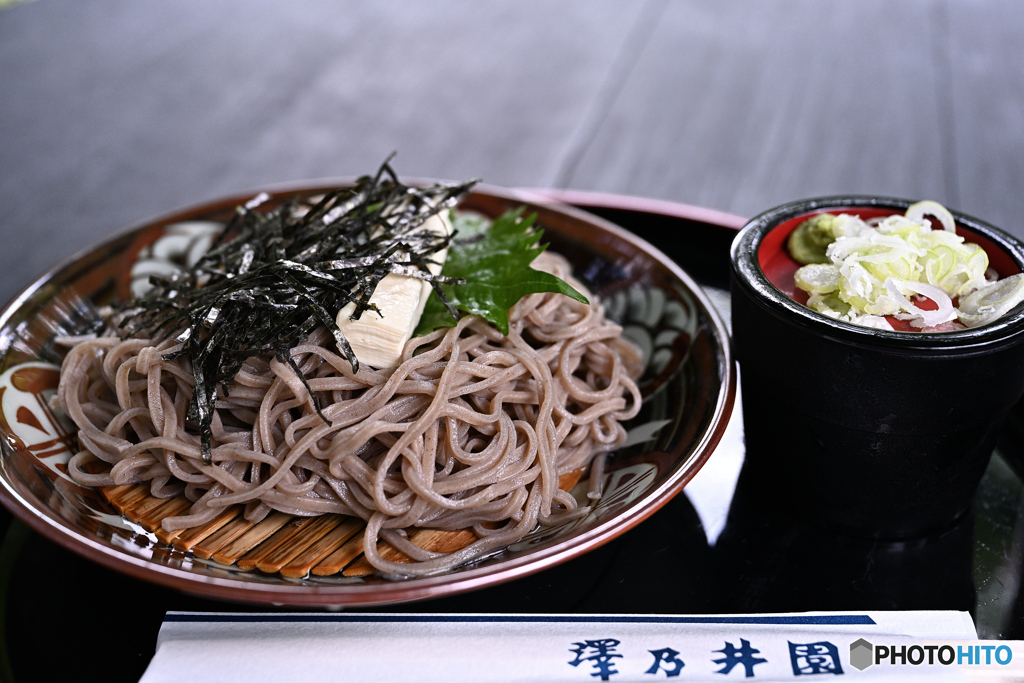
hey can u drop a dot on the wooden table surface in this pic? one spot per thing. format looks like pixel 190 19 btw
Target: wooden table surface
pixel 112 111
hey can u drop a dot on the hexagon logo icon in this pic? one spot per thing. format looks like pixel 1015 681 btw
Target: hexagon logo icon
pixel 861 654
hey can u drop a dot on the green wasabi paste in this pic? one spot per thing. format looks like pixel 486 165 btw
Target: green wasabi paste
pixel 807 244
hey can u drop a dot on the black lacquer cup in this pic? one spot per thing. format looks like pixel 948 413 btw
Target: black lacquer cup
pixel 874 432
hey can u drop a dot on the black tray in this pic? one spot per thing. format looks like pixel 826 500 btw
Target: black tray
pixel 762 562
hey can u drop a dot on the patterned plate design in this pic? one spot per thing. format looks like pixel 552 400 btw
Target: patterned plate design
pixel 688 388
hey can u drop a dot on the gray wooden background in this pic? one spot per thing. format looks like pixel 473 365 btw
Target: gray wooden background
pixel 112 111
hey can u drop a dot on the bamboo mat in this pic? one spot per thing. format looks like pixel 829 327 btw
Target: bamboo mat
pixel 294 547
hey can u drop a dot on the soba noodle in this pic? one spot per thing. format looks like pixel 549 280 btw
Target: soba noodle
pixel 471 430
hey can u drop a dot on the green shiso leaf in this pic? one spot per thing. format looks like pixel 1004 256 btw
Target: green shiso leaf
pixel 495 263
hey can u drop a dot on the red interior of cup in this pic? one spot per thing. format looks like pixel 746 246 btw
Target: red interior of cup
pixel 778 266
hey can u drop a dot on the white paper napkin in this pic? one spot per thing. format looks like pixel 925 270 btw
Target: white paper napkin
pixel 480 648
pixel 711 489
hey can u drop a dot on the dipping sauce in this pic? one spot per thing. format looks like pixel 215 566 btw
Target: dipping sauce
pixel 881 433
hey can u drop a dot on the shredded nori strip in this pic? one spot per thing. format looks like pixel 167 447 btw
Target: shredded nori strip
pixel 272 277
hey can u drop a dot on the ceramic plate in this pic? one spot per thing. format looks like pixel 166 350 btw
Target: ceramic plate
pixel 688 388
